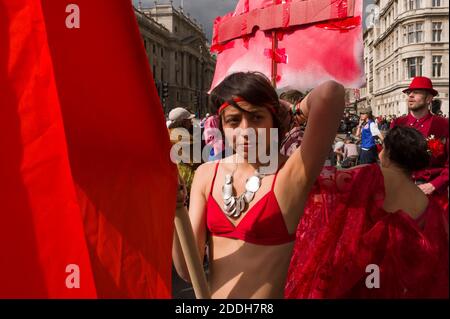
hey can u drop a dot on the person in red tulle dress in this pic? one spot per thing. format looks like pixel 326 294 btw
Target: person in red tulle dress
pixel 370 232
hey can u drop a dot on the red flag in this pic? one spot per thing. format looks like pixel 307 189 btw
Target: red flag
pixel 97 153
pixel 41 230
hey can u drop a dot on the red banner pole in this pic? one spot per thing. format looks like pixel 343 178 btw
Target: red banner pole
pixel 274 48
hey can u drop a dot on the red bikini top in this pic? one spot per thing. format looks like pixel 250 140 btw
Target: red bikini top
pixel 262 224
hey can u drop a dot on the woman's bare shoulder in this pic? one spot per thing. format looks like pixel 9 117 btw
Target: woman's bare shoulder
pixel 204 174
pixel 206 169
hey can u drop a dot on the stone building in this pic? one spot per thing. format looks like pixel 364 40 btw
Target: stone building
pixel 409 39
pixel 178 55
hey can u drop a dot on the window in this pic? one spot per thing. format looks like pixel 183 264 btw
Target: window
pixel 162 52
pixel 419 32
pixel 396 70
pixel 437 31
pixel 392 74
pixel 414 66
pixel 154 48
pixel 389 75
pixel 410 32
pixel 176 56
pixel 436 3
pixel 413 4
pixel 145 44
pixel 437 66
pixel 414 32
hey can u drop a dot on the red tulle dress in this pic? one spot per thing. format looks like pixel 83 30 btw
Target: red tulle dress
pixel 345 229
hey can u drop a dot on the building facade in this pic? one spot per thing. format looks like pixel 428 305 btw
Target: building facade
pixel 410 38
pixel 179 57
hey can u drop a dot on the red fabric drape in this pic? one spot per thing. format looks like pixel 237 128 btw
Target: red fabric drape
pixel 345 229
pixel 84 155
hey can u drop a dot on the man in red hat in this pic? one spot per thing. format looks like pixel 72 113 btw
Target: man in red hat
pixel 434 179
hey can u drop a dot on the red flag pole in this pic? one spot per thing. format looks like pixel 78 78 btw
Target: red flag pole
pixel 274 48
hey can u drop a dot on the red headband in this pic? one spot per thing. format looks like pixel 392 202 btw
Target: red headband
pixel 237 100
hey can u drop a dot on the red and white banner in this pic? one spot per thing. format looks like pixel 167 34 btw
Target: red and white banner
pixel 316 40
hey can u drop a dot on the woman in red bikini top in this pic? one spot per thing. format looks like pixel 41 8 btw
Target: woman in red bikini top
pixel 248 205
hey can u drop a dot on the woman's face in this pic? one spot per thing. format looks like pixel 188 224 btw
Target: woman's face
pixel 241 128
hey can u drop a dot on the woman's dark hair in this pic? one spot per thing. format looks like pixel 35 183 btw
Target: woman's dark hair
pixel 370 116
pixel 407 148
pixel 255 88
pixel 436 106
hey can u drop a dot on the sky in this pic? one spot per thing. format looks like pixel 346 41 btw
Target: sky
pixel 205 11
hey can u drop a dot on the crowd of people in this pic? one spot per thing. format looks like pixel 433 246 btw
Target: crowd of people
pixel 331 207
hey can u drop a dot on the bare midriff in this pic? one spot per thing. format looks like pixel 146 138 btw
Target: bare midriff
pixel 243 270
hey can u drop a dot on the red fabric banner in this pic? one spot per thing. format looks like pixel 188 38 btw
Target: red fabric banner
pixel 322 40
pixel 85 168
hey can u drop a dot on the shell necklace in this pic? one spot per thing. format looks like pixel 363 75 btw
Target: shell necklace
pixel 235 205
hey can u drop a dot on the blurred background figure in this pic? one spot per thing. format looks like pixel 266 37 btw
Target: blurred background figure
pixel 367 131
pixel 436 107
pixel 350 153
pixel 181 121
pixel 338 150
pixel 213 137
pixel 294 135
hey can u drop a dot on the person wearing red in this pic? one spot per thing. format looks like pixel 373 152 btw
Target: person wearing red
pixel 370 232
pixel 433 180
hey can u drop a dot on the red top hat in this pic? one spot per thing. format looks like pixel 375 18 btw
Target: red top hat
pixel 421 83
